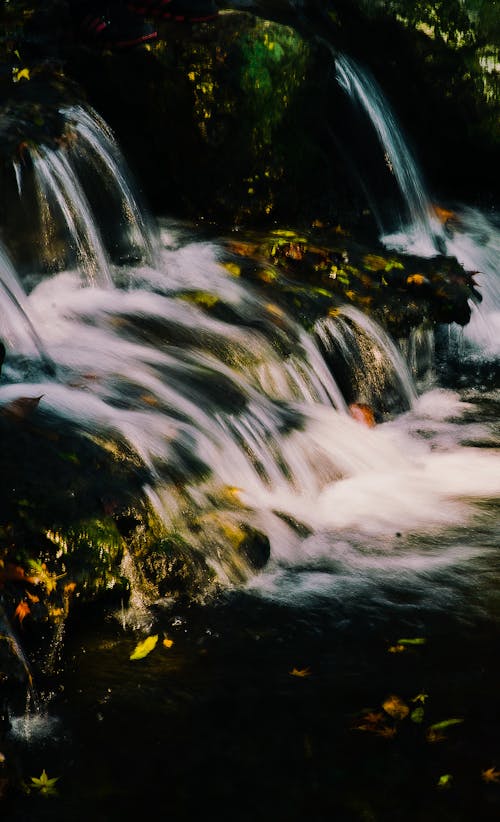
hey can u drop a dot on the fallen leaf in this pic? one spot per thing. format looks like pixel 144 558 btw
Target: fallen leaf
pixel 301 672
pixel 444 780
pixel 22 611
pixel 417 715
pixel 362 413
pixel 396 649
pixel 144 648
pixel 434 736
pixel 168 642
pixel 490 775
pixel 387 731
pixel 13 573
pixel 420 698
pixel 44 784
pixel 445 723
pixel 20 408
pixel 418 640
pixel 443 214
pixel 395 707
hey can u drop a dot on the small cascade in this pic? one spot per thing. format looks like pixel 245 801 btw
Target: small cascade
pixel 97 151
pixel 365 92
pixel 17 329
pixel 366 362
pixel 474 239
pixel 90 217
pixel 60 194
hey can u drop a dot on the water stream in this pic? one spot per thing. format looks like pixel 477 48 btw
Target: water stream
pixel 235 418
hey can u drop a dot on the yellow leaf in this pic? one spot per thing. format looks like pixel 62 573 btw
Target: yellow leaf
pixel 168 642
pixel 395 707
pixel 420 698
pixel 144 648
pixel 44 784
pixel 396 649
pixel 301 672
pixel 416 279
pixel 233 269
pixel 490 775
pixel 21 74
pixel 444 780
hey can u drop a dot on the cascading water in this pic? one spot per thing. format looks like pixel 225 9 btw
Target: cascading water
pixel 227 418
pixel 467 234
pixel 419 218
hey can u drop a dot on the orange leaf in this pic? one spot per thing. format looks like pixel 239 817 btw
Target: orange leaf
pixel 490 775
pixel 362 413
pixel 22 611
pixel 300 672
pixel 13 573
pixel 395 707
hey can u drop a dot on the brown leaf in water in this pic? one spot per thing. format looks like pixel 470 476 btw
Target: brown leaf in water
pixel 20 408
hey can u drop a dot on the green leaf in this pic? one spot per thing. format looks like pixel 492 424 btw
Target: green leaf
pixel 418 640
pixel 144 648
pixel 417 715
pixel 438 726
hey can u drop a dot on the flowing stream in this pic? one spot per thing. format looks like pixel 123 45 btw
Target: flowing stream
pixel 232 412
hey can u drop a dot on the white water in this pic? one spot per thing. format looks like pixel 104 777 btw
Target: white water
pixel 420 223
pixel 469 235
pixel 144 368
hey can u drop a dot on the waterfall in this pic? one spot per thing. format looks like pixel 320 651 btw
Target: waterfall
pixel 467 234
pixel 89 212
pixel 57 185
pixel 365 92
pixel 228 413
